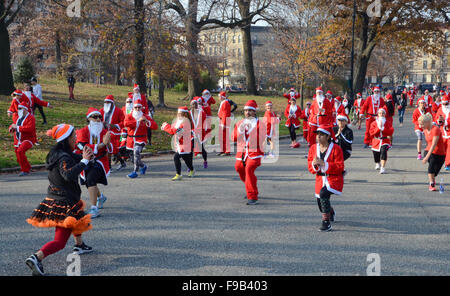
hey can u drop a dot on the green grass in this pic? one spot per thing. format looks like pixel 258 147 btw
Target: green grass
pixel 91 95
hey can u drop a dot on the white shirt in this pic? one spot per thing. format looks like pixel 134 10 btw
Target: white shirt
pixel 37 91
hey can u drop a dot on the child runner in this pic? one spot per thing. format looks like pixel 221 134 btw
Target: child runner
pixel 293 113
pixel 271 120
pixel 62 208
pixel 380 132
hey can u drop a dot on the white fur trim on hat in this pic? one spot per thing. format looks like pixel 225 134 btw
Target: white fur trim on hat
pixel 92 113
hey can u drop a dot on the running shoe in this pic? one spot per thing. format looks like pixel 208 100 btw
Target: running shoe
pixel 94 212
pixel 82 249
pixel 326 226
pixel 377 166
pixel 23 174
pixel 205 164
pixel 100 201
pixel 177 177
pixel 252 202
pixel 432 187
pixel 447 168
pixel 382 170
pixel 143 169
pixel 35 265
pixel 121 166
pixel 191 173
pixel 419 156
pixel 132 175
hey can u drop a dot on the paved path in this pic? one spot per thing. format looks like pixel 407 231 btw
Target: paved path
pixel 201 226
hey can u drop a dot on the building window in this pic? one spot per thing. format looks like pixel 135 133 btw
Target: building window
pixel 424 78
pixel 239 52
pixel 239 38
pixel 234 52
pixel 433 64
pixel 234 41
pixel 425 64
pixel 210 51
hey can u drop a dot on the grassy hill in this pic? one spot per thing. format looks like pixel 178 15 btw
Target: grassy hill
pixel 91 95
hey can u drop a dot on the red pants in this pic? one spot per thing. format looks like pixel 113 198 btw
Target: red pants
pixel 71 96
pixel 411 101
pixel 447 154
pixel 59 242
pixel 224 139
pixel 21 157
pixel 312 135
pixel 367 138
pixel 247 175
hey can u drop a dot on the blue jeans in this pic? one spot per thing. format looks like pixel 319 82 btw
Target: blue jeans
pixel 401 113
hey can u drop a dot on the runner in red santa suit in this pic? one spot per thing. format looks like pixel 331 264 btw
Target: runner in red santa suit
pixel 381 131
pixel 98 139
pixel 321 114
pixel 24 130
pixel 359 102
pixel 182 130
pixel 370 110
pixel 338 109
pixel 250 134
pixel 207 101
pixel 123 151
pixel 292 94
pixel 305 116
pixel 137 123
pixel 13 108
pixel 138 96
pixel 427 98
pixel 421 110
pixel 33 101
pixel 293 113
pixel 325 160
pixel 411 96
pixel 113 118
pixel 198 117
pixel 271 120
pixel 329 96
pixel 436 105
pixel 224 115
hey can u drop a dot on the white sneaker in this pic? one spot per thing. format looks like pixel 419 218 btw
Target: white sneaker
pixel 377 166
pixel 94 212
pixel 382 170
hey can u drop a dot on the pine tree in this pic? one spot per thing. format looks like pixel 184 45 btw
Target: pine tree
pixel 24 71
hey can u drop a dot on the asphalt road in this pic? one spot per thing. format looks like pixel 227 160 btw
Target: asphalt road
pixel 202 226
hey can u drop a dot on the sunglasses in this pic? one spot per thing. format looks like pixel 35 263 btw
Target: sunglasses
pixel 96 117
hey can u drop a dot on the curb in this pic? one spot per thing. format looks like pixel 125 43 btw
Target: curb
pixel 39 167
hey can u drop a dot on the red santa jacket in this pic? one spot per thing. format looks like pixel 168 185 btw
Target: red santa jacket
pixel 13 108
pixel 331 174
pixel 250 142
pixel 115 120
pixel 358 104
pixel 183 135
pixel 441 113
pixel 321 113
pixel 199 126
pixel 137 130
pixel 338 109
pixel 415 118
pixel 379 136
pixel 428 100
pixel 271 120
pixel 33 101
pixel 371 108
pixel 26 130
pixel 296 112
pixel 435 106
pixel 292 95
pixel 224 113
pixel 305 116
pixel 84 137
pixel 207 102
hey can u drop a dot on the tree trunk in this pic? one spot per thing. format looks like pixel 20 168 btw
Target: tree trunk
pixel 58 54
pixel 6 81
pixel 139 54
pixel 161 92
pixel 192 50
pixel 248 60
pixel 117 74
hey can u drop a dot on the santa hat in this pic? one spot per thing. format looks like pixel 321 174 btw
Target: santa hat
pixel 136 87
pixel 329 93
pixel 268 103
pixel 251 105
pixel 137 103
pixel 359 95
pixel 292 89
pixel 319 89
pixel 388 97
pixel 308 103
pixel 92 111
pixel 223 94
pixel 376 88
pixel 109 98
pixel 314 96
pixel 60 132
pixel 195 99
pixel 17 92
pixel 421 101
pixel 205 91
pixel 326 129
pixel 442 92
pixel 130 95
pixel 338 98
pixel 183 109
pixel 342 116
pixel 444 99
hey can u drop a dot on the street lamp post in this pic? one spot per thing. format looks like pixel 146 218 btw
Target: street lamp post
pixel 352 57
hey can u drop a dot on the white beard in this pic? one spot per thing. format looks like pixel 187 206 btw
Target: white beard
pixel 381 121
pixel 376 97
pixel 107 107
pixel 206 97
pixel 446 109
pixel 137 114
pixel 320 98
pixel 336 105
pixel 136 96
pixel 95 128
pixel 292 94
pixel 345 104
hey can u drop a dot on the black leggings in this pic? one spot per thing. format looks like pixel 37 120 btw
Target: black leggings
pixel 292 132
pixel 382 155
pixel 324 201
pixel 204 153
pixel 187 160
pixel 41 110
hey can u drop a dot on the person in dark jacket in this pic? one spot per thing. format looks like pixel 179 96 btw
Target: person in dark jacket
pixel 344 136
pixel 402 103
pixel 62 208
